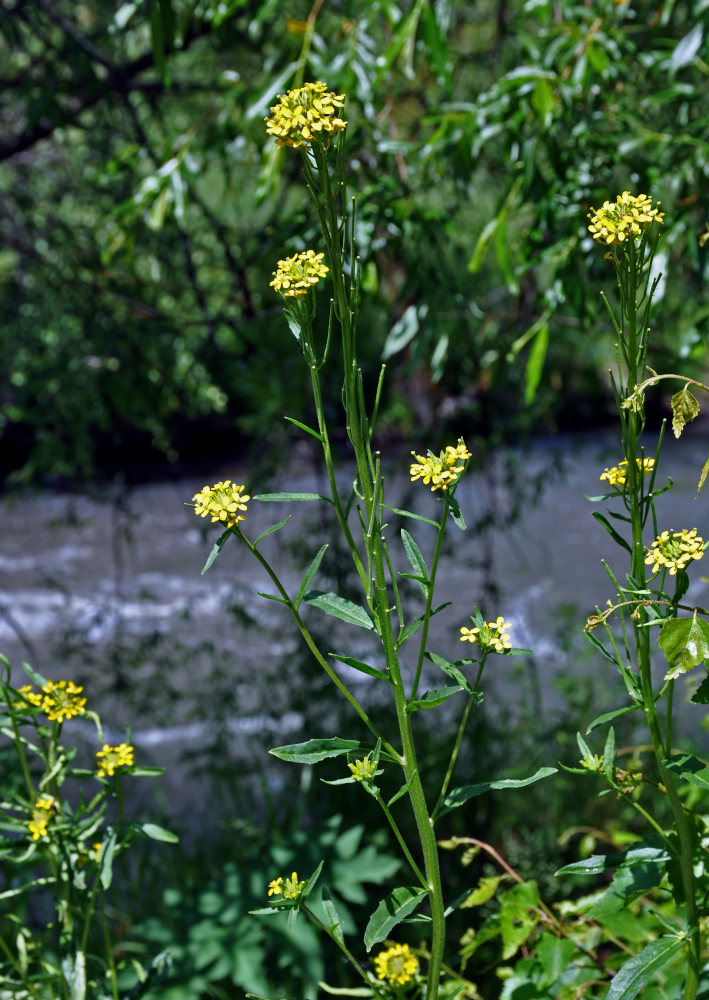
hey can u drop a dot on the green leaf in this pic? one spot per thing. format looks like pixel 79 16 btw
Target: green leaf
pixel 454 508
pixel 701 695
pixel 432 698
pixel 637 972
pixel 364 667
pixel 685 643
pixel 37 679
pixel 686 49
pixel 304 427
pixel 408 513
pixel 418 563
pixel 218 546
pixel 461 795
pixel 555 954
pixel 537 356
pixel 270 531
pixel 482 245
pixel 611 530
pixel 390 912
pixel 609 716
pixel 309 574
pixel 413 627
pixel 597 863
pixel 484 891
pixel 313 751
pixel 689 768
pixel 332 918
pixel 402 791
pixel 156 832
pixel 702 478
pixel 289 497
pixel 340 607
pixel 609 755
pixel 684 409
pixel 452 670
pixel 518 916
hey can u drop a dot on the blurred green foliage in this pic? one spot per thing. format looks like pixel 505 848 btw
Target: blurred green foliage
pixel 142 212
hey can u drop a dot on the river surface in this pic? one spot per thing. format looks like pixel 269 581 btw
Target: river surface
pixel 107 591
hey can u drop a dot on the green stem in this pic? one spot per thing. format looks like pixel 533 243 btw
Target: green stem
pixel 343 948
pixel 459 736
pixel 402 843
pixel 429 597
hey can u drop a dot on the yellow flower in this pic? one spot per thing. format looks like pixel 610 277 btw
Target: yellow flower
pixel 41 815
pixel 274 887
pixel 492 635
pixel 27 698
pixel 616 475
pixel 628 217
pixel 306 115
pixel 109 758
pixel 363 770
pixel 61 700
pixel 296 275
pixel 398 965
pixel 441 471
pixel 222 502
pixel 674 550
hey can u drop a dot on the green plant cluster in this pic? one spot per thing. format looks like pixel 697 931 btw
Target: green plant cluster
pixel 142 211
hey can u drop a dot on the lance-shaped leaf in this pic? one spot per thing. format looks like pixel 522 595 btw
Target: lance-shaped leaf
pixel 685 643
pixel 432 698
pixel 309 574
pixel 365 668
pixel 702 478
pixel 313 751
pixel 339 607
pixel 639 970
pixel 217 548
pixel 289 497
pixel 332 917
pixel 418 563
pixel 460 795
pixel 596 864
pixel 390 912
pixel 453 671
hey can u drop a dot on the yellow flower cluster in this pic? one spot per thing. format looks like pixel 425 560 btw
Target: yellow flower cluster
pixel 493 635
pixel 674 550
pixel 109 758
pixel 305 115
pixel 441 471
pixel 616 475
pixel 398 965
pixel 41 815
pixel 58 701
pixel 291 888
pixel 222 502
pixel 629 216
pixel 363 770
pixel 295 276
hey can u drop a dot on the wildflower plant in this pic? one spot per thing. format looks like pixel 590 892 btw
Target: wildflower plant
pixel 384 765
pixel 650 609
pixel 63 828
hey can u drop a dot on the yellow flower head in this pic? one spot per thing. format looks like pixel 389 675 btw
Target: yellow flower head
pixel 306 115
pixel 109 758
pixel 616 475
pixel 297 275
pixel 291 888
pixel 492 636
pixel 673 550
pixel 398 965
pixel 60 701
pixel 628 217
pixel 222 502
pixel 41 815
pixel 28 699
pixel 363 770
pixel 443 470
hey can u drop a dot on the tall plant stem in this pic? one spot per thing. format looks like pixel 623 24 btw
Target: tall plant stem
pixel 632 427
pixel 429 598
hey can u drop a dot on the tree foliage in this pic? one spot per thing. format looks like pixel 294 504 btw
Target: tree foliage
pixel 139 228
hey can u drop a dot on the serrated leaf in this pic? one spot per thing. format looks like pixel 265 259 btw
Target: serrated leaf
pixel 684 409
pixel 339 607
pixel 701 695
pixel 313 751
pixel 390 912
pixel 363 667
pixel 432 698
pixel 309 574
pixel 637 972
pixel 461 795
pixel 685 643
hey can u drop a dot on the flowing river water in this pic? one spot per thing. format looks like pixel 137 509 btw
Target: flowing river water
pixel 107 591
